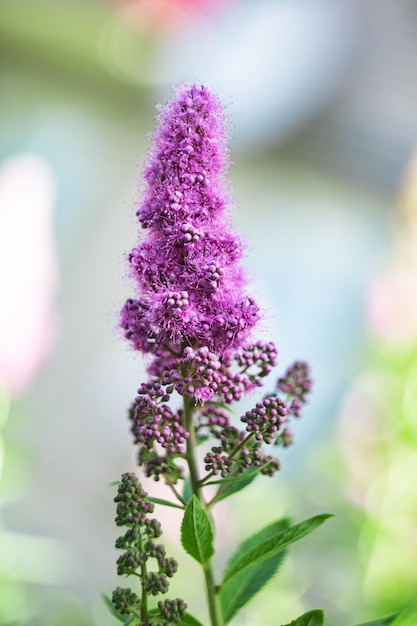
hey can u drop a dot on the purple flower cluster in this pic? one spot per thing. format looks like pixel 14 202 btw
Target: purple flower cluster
pixel 240 452
pixel 153 420
pixel 191 313
pixel 217 462
pixel 187 270
pixel 264 422
pixel 296 383
pixel 266 418
pixel 208 376
pixel 204 375
pixel 261 356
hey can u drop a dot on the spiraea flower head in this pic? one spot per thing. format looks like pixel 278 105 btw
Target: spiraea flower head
pixel 190 284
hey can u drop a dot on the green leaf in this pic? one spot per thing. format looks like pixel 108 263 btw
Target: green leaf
pixel 197 535
pixel 312 618
pixel 166 503
pixel 221 405
pixel 235 479
pixel 242 587
pixel 189 620
pixel 273 545
pixel 235 484
pixel 382 622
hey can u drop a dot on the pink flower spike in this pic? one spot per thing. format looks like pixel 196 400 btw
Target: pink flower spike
pixel 187 270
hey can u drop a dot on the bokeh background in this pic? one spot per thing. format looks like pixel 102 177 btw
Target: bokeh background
pixel 321 97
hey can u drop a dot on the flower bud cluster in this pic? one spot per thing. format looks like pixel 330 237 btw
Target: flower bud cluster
pixel 216 417
pixel 125 600
pixel 240 452
pixel 133 507
pixel 153 421
pixel 296 383
pixel 218 463
pixel 133 504
pixel 264 422
pixel 204 375
pixel 285 438
pixel 266 418
pixel 156 466
pixel 171 611
pixel 201 379
pixel 260 355
pixel 212 380
pixel 155 583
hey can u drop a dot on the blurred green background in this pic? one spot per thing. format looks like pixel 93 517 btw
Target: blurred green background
pixel 321 98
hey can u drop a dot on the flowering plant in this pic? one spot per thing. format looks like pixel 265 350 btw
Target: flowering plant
pixel 194 319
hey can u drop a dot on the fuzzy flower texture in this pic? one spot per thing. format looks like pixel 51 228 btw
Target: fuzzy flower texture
pixel 191 312
pixel 187 269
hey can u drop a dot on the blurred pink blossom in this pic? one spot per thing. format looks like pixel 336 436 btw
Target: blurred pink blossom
pixel 28 270
pixel 392 305
pixel 392 301
pixel 200 5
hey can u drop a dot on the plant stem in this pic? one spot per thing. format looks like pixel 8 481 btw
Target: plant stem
pixel 241 445
pixel 216 618
pixel 144 602
pixel 191 446
pixel 212 598
pixel 175 492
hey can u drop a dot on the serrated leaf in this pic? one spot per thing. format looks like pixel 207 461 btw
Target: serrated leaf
pixel 311 618
pixel 274 545
pixel 197 535
pixel 166 503
pixel 242 587
pixel 189 620
pixel 382 622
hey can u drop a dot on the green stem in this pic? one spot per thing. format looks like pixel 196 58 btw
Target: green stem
pixel 204 480
pixel 241 445
pixel 175 492
pixel 191 446
pixel 143 573
pixel 212 597
pixel 216 618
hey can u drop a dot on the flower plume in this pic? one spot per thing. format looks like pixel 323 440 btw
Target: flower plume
pixel 190 282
